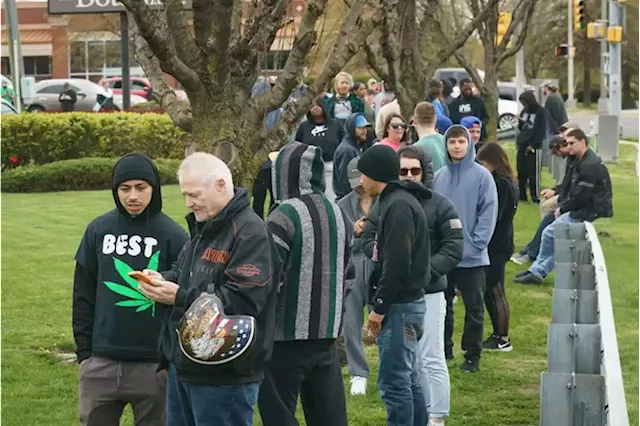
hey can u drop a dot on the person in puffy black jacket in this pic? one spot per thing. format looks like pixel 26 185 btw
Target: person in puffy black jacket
pixel 231 255
pixel 532 126
pixel 494 159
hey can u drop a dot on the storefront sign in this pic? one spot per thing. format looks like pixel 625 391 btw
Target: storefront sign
pixel 60 7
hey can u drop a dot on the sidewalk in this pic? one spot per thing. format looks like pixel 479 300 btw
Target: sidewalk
pixel 637 146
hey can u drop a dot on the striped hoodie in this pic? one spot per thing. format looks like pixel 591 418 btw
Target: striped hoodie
pixel 312 238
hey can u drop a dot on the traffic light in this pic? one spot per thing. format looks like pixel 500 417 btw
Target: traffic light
pixel 579 12
pixel 564 50
pixel 504 20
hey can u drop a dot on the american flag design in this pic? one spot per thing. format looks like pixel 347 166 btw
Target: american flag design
pixel 207 336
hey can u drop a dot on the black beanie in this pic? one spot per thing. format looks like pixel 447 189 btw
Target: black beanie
pixel 134 166
pixel 380 163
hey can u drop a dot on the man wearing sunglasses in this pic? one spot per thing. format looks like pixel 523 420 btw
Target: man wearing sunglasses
pixel 587 199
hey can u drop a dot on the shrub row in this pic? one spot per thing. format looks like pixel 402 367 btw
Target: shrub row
pixel 74 175
pixel 45 138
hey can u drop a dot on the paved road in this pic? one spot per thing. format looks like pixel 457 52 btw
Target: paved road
pixel 629 122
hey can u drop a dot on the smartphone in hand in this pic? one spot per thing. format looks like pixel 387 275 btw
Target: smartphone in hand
pixel 139 276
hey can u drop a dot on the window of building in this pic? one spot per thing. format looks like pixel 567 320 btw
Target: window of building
pixel 34 66
pixel 97 59
pixel 275 59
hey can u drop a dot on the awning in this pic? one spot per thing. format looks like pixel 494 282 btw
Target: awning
pixel 30 37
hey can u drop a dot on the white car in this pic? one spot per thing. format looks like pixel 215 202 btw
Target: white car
pixel 48 91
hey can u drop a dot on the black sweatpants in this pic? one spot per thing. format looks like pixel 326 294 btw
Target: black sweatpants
pixel 310 368
pixel 471 283
pixel 495 299
pixel 527 173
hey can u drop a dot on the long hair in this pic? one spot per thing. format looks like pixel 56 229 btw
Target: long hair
pixel 390 117
pixel 528 100
pixel 493 154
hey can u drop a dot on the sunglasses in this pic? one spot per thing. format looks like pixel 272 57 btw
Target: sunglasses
pixel 398 126
pixel 415 171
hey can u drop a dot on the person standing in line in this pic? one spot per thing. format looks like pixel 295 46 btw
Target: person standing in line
pixel 472 190
pixel 445 231
pixel 383 98
pixel 424 121
pixel 352 145
pixel 402 269
pixel 312 240
pixel 360 90
pixel 442 124
pixel 394 131
pixel 231 256
pixel 555 109
pixel 356 205
pixel 321 130
pixel 8 94
pixel 343 103
pixel 435 97
pixel 115 326
pixel 494 159
pixel 529 142
pixel 474 125
pixel 468 104
pixel 67 98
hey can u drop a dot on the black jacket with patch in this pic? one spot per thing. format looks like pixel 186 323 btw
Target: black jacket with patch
pixel 589 195
pixel 234 253
pixel 532 128
pixel 111 318
pixel 402 252
pixel 466 106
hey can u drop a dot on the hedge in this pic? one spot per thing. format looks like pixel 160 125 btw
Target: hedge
pixel 45 138
pixel 74 175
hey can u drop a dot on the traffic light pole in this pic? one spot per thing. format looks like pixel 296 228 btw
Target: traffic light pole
pixel 571 102
pixel 603 100
pixel 615 61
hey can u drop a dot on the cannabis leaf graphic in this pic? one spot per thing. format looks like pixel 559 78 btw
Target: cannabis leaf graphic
pixel 136 298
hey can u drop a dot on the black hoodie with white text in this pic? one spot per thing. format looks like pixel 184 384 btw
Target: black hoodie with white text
pixel 111 317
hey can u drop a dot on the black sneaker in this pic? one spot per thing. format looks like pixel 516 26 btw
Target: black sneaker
pixel 522 274
pixel 528 278
pixel 495 343
pixel 470 366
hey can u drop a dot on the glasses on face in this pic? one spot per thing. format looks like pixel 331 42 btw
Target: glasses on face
pixel 398 126
pixel 415 171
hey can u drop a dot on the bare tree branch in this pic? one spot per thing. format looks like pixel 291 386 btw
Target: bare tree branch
pixel 353 34
pixel 525 21
pixel 260 30
pixel 179 111
pixel 153 26
pixel 473 73
pixel 451 48
pixel 185 45
pixel 375 61
pixel 203 15
pixel 236 21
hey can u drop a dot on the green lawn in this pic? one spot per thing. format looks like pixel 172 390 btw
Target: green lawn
pixel 41 232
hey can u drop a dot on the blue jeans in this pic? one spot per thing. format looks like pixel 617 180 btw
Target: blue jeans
pixel 544 262
pixel 203 405
pixel 399 373
pixel 533 247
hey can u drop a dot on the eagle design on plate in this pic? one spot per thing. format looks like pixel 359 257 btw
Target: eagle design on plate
pixel 207 336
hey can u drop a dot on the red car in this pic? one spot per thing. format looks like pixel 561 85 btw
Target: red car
pixel 139 86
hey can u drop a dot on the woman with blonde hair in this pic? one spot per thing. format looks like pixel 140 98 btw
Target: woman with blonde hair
pixel 343 103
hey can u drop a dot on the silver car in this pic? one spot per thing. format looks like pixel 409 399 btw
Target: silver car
pixel 48 91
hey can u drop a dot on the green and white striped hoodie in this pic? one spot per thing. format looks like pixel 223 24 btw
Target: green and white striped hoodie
pixel 312 238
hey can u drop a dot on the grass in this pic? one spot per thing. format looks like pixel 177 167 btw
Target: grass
pixel 41 233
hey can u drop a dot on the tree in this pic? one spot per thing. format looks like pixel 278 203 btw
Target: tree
pixel 495 54
pixel 545 33
pixel 399 53
pixel 218 60
pixel 630 57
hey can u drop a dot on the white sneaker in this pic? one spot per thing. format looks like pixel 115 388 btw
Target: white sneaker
pixel 432 423
pixel 520 259
pixel 358 385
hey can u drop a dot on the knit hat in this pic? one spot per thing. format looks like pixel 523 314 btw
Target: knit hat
pixel 380 163
pixel 134 166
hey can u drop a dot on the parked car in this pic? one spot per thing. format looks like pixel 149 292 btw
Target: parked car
pixel 7 108
pixel 48 91
pixel 139 86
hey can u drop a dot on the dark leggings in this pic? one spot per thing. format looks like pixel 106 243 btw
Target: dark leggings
pixel 527 167
pixel 495 299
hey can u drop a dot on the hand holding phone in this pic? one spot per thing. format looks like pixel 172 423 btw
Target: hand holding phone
pixel 139 276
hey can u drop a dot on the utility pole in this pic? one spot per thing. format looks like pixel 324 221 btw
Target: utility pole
pixel 124 52
pixel 571 102
pixel 615 61
pixel 15 58
pixel 603 100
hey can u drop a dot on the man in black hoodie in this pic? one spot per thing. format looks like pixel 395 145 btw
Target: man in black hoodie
pixel 230 255
pixel 115 325
pixel 402 255
pixel 321 130
pixel 532 126
pixel 468 104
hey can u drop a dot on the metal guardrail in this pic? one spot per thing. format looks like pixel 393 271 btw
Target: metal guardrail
pixel 583 385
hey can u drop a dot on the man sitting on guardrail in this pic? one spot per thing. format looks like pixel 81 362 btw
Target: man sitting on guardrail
pixel 588 199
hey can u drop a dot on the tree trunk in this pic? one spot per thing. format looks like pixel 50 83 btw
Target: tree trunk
pixel 627 74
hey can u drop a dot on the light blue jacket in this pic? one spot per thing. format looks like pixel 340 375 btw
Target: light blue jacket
pixel 472 190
